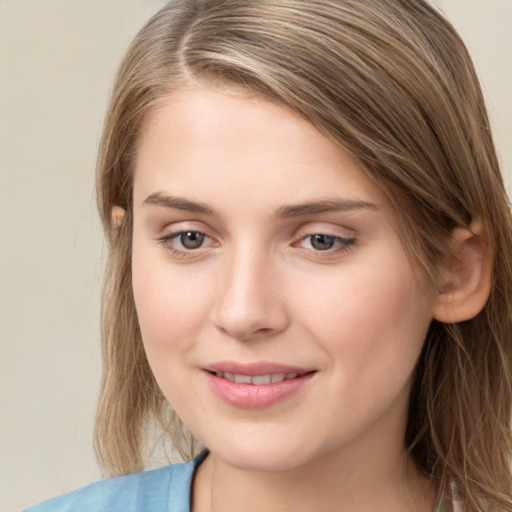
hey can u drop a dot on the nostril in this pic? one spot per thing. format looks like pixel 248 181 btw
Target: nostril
pixel 249 334
pixel 264 330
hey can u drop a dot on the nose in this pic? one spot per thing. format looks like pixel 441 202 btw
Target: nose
pixel 250 303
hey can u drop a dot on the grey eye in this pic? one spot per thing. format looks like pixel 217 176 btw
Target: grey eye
pixel 191 239
pixel 322 242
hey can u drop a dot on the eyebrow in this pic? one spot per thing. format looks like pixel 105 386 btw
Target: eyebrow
pixel 179 203
pixel 323 206
pixel 286 211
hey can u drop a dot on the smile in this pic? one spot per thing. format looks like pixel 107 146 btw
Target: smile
pixel 256 386
pixel 257 380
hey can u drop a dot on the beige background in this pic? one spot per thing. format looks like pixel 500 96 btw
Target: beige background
pixel 57 60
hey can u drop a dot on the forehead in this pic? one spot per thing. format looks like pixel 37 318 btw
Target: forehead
pixel 217 141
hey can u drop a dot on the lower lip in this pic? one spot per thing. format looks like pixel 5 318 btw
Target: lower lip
pixel 251 396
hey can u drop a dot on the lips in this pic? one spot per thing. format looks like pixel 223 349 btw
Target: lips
pixel 255 386
pixel 257 380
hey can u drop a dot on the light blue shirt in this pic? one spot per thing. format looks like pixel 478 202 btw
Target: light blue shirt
pixel 159 490
pixel 165 489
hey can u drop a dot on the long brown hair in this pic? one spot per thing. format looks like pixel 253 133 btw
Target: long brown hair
pixel 391 82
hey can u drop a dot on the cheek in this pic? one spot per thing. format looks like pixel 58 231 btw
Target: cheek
pixel 371 325
pixel 372 320
pixel 170 304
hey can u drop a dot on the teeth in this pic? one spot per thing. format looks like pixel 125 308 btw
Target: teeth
pixel 257 380
pixel 262 379
pixel 243 379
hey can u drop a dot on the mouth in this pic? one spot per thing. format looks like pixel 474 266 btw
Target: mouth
pixel 256 386
pixel 258 380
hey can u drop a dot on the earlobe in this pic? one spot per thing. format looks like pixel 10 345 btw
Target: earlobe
pixel 466 280
pixel 116 216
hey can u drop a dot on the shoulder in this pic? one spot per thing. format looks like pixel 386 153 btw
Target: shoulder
pixel 165 489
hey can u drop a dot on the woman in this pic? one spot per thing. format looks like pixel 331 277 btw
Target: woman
pixel 309 261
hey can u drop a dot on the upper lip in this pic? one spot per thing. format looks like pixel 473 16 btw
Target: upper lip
pixel 255 369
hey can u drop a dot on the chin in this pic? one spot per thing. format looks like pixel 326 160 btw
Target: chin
pixel 263 462
pixel 263 456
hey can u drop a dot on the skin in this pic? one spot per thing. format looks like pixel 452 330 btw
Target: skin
pixel 257 289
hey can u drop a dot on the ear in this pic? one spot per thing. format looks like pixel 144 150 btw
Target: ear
pixel 466 280
pixel 116 216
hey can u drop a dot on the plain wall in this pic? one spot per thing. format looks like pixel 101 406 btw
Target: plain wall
pixel 57 62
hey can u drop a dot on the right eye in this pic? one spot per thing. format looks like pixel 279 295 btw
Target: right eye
pixel 183 242
pixel 190 239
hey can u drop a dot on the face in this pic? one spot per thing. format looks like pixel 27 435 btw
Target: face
pixel 279 312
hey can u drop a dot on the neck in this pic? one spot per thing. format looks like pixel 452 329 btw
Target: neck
pixel 385 479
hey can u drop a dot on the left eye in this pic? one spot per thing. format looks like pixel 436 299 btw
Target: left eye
pixel 323 242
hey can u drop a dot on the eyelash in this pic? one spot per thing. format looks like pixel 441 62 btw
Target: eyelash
pixel 166 242
pixel 341 244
